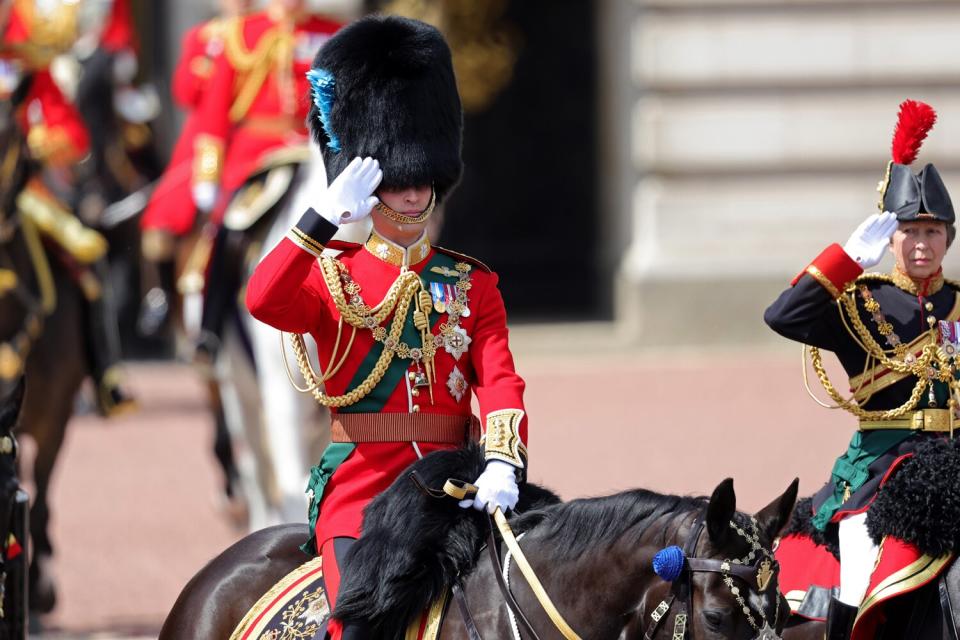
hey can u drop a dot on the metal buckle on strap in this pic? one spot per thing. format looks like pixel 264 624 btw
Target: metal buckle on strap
pixel 934 420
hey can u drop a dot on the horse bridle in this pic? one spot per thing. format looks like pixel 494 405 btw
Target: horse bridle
pixel 756 576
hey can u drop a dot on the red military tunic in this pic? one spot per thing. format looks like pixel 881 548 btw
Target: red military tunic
pixel 288 291
pixel 258 97
pixel 55 131
pixel 171 206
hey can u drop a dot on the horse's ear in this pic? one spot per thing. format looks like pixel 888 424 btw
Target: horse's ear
pixel 723 504
pixel 773 517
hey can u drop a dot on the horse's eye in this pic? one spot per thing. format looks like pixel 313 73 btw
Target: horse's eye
pixel 714 619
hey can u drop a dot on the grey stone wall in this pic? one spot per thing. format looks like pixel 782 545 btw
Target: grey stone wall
pixel 749 135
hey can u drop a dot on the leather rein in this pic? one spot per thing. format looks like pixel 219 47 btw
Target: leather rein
pixel 460 490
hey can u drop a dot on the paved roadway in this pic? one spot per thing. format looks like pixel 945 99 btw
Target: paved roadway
pixel 135 499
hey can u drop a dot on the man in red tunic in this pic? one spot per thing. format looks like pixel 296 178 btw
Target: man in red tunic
pixel 252 117
pixel 410 330
pixel 171 213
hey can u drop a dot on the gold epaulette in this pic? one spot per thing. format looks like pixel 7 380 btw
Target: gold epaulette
pixel 56 222
pixel 252 65
pixel 872 278
pixel 463 258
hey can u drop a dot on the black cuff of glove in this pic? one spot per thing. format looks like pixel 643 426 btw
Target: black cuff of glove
pixel 318 228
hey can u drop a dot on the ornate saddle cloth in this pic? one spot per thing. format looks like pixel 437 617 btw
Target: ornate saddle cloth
pixel 297 608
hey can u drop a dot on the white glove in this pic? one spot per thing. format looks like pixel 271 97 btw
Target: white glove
pixel 124 66
pixel 204 195
pixel 869 242
pixel 496 487
pixel 349 198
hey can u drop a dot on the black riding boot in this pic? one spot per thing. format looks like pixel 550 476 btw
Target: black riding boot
pixel 222 286
pixel 355 631
pixel 840 619
pixel 103 342
pixel 157 280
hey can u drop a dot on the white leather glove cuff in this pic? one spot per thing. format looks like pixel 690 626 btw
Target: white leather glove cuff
pixel 868 243
pixel 204 195
pixel 496 487
pixel 349 198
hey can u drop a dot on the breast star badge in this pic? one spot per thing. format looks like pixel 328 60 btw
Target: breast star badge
pixel 456 342
pixel 457 384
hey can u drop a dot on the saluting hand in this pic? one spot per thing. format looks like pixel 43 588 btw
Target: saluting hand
pixel 349 198
pixel 870 240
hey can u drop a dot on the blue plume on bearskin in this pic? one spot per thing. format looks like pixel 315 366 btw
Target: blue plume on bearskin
pixel 668 563
pixel 322 82
pixel 920 503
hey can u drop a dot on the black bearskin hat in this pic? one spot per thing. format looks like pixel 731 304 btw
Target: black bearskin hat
pixel 384 87
pixel 921 196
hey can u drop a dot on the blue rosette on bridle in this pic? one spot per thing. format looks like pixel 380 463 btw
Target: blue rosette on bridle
pixel 668 563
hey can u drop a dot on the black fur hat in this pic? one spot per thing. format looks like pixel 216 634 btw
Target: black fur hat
pixel 384 87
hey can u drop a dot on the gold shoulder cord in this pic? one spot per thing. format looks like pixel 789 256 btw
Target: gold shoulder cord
pixel 932 354
pixel 397 300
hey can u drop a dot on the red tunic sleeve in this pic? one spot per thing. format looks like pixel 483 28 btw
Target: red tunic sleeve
pixel 498 386
pixel 193 69
pixel 286 290
pixel 213 119
pixel 55 132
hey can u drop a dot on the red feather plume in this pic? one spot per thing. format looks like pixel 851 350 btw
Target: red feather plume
pixel 914 122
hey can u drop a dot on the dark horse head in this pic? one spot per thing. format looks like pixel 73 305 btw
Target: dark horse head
pixel 720 580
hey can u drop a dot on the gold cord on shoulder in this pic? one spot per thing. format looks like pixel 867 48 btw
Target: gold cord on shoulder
pixel 918 366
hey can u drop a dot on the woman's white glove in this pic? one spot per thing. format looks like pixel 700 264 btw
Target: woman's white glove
pixel 869 242
pixel 349 198
pixel 496 487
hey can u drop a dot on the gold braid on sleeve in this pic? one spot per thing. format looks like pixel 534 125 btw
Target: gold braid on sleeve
pixel 502 439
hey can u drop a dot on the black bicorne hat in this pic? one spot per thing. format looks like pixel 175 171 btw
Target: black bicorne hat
pixel 921 196
pixel 384 87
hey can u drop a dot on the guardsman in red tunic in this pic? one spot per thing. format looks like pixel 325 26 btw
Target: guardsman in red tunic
pixel 252 113
pixel 896 336
pixel 57 139
pixel 408 331
pixel 170 213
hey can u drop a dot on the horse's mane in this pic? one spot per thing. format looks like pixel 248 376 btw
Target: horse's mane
pixel 575 527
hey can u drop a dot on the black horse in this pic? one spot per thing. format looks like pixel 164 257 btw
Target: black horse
pixel 42 323
pixel 593 557
pixel 13 519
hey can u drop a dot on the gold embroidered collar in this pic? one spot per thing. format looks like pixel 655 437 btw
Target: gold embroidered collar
pixel 933 284
pixel 395 254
